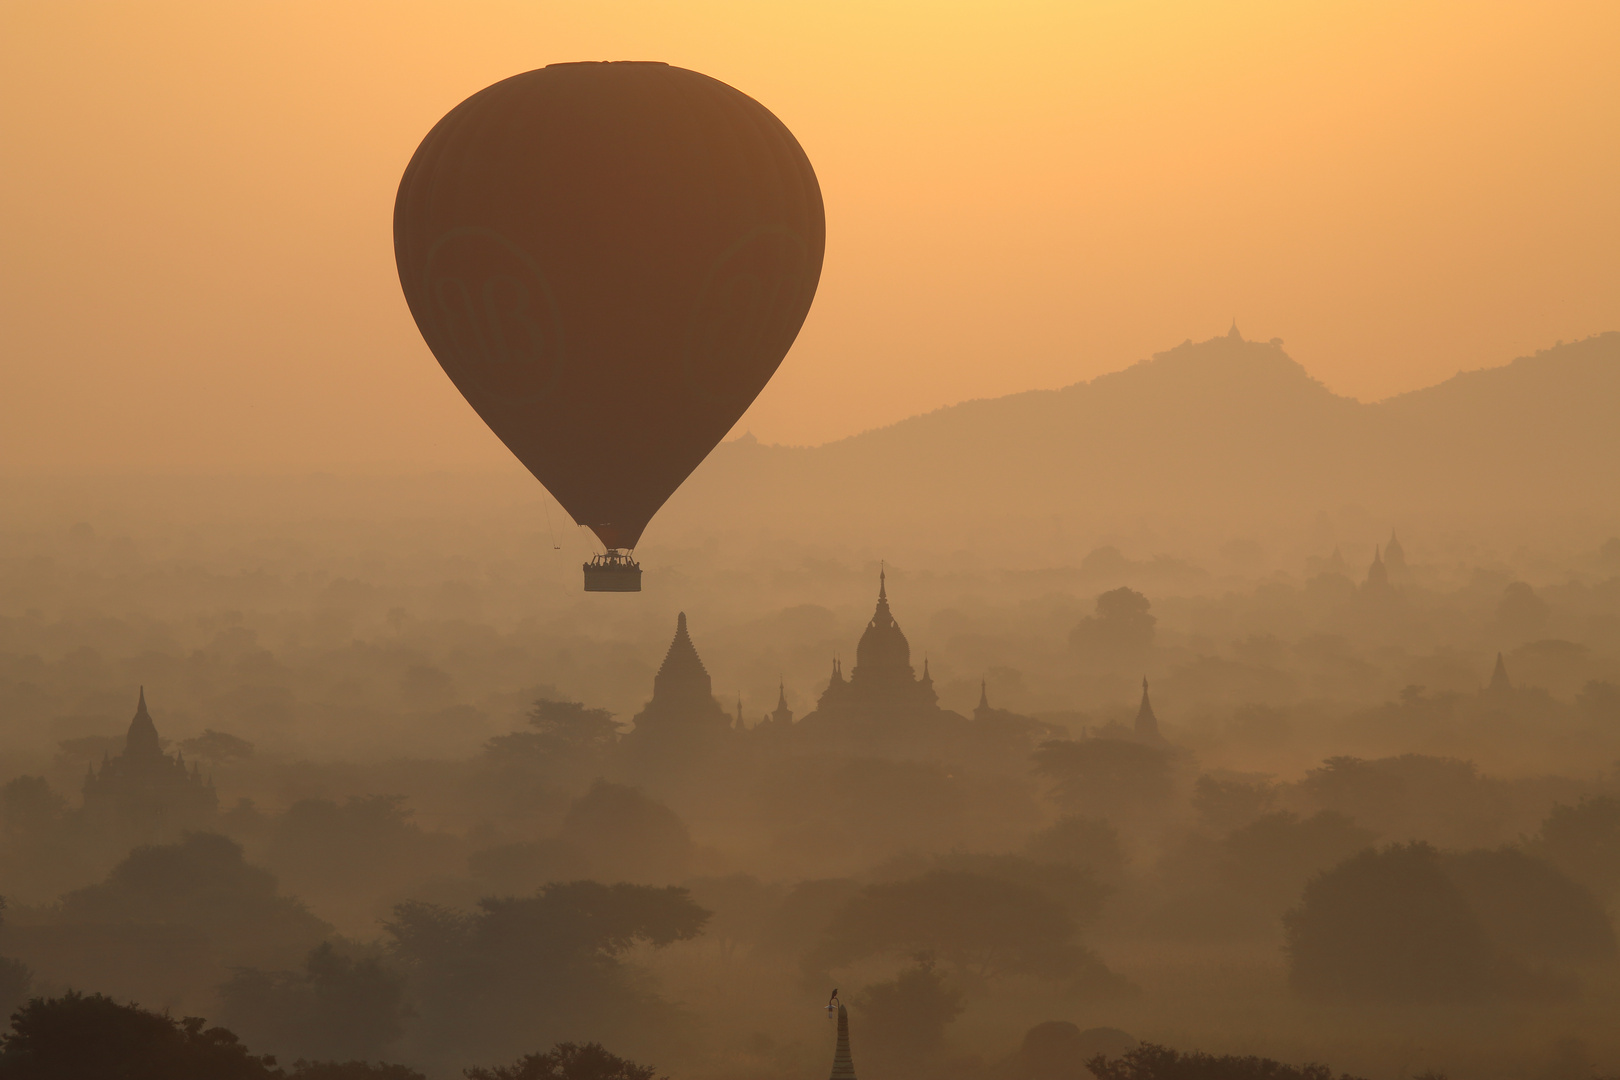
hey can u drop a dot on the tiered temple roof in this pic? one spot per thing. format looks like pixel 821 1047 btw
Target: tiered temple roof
pixel 144 793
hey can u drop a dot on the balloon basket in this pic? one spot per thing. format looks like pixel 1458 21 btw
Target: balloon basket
pixel 614 571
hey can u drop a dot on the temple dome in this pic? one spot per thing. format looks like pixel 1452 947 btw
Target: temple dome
pixel 883 650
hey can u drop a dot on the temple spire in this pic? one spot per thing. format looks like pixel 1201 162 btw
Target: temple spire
pixel 1377 573
pixel 883 581
pixel 1147 725
pixel 783 715
pixel 843 1067
pixel 682 674
pixel 142 740
pixel 1500 684
pixel 984 695
pixel 1395 558
pixel 1232 334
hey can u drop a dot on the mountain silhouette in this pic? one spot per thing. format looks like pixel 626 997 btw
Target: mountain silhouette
pixel 1225 432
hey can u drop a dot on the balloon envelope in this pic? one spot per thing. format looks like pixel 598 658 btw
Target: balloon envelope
pixel 609 260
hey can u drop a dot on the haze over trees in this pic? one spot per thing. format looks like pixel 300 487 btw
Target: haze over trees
pixel 1254 791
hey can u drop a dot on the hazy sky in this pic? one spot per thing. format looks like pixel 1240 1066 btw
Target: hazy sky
pixel 196 200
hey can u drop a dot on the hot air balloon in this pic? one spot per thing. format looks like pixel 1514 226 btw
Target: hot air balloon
pixel 609 260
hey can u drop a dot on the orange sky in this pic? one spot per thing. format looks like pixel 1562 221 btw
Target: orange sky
pixel 196 199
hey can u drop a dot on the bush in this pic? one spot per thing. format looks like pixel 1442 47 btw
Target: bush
pixel 1152 1062
pixel 336 1007
pixel 79 1036
pixel 567 1061
pixel 1387 925
pixel 906 1017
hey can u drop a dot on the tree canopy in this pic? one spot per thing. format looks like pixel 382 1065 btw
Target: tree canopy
pixel 488 979
pixel 982 925
pixel 1387 925
pixel 93 1036
pixel 567 1061
pixel 1152 1062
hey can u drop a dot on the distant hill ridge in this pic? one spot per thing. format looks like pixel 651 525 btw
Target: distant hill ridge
pixel 1218 429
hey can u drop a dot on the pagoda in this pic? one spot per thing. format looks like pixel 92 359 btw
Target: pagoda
pixel 145 795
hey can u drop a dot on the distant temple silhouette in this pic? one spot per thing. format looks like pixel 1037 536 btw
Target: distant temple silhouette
pixel 1143 729
pixel 1377 574
pixel 1500 683
pixel 1147 725
pixel 883 683
pixel 1395 561
pixel 144 794
pixel 682 714
pixel 781 715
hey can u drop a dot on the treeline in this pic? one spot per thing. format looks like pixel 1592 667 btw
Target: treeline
pixel 83 1036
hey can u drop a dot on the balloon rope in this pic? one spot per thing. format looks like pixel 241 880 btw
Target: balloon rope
pixel 545 504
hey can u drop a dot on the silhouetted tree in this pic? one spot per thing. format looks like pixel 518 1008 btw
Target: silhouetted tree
pixel 1530 910
pixel 1152 1062
pixel 352 1070
pixel 567 736
pixel 29 806
pixel 1224 804
pixel 490 979
pixel 806 913
pixel 1079 841
pixel 41 843
pixel 744 908
pixel 336 1007
pixel 572 725
pixel 567 1061
pixel 1584 842
pixel 1521 611
pixel 75 1036
pixel 1121 629
pixel 202 882
pixel 1440 797
pixel 626 835
pixel 523 867
pixel 1073 887
pixel 346 857
pixel 1600 701
pixel 217 747
pixel 922 805
pixel 1096 776
pixel 15 976
pixel 1059 1050
pixel 1387 925
pixel 983 926
pixel 1271 858
pixel 904 1018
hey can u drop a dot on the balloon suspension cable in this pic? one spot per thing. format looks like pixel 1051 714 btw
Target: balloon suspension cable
pixel 545 504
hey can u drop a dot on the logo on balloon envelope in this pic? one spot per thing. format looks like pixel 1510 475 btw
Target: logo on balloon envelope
pixel 757 289
pixel 496 322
